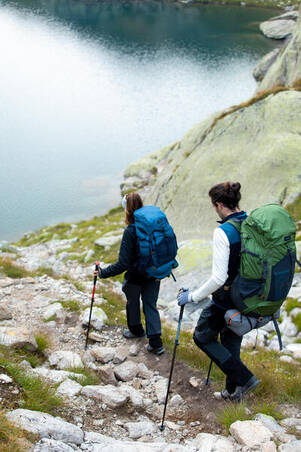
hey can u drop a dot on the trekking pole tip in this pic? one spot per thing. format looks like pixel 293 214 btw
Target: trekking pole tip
pixel 162 427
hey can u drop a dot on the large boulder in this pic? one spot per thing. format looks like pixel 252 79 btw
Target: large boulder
pixel 46 426
pixel 17 337
pixel 250 433
pixel 287 67
pixel 278 29
pixel 65 359
pixel 255 144
pixel 98 318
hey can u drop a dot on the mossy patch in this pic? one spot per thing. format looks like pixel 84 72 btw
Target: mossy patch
pixel 290 304
pixel 194 255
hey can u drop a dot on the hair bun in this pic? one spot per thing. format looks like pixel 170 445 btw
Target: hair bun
pixel 235 186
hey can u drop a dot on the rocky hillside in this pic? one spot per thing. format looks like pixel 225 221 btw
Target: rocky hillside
pixel 257 143
pixel 57 397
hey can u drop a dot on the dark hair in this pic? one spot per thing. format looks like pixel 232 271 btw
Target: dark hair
pixel 227 193
pixel 133 202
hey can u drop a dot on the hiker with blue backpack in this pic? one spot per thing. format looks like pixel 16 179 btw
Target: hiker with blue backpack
pixel 147 255
pixel 252 271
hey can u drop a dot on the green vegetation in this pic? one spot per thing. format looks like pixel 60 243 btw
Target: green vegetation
pixel 233 412
pixel 294 209
pixel 85 376
pixel 13 439
pixel 42 342
pixel 290 304
pixel 11 270
pixel 115 306
pixel 297 321
pixel 71 305
pixel 38 395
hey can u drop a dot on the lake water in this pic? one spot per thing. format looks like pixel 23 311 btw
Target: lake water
pixel 88 87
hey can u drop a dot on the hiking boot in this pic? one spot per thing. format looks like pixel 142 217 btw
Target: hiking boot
pixel 156 350
pixel 225 394
pixel 129 335
pixel 241 391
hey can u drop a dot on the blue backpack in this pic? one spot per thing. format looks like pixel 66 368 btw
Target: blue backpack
pixel 157 243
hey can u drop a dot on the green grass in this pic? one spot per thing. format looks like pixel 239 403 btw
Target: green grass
pixel 115 305
pixel 42 342
pixel 86 377
pixel 71 305
pixel 11 270
pixel 38 395
pixel 290 304
pixel 12 438
pixel 297 321
pixel 50 319
pixel 233 412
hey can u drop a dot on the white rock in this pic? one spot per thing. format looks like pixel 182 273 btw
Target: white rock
pixel 135 396
pixel 292 446
pixel 270 446
pixel 98 318
pixel 160 389
pixel 176 401
pixel 287 359
pixel 291 422
pixel 55 376
pixel 46 426
pixel 295 292
pixel 108 394
pixel 206 442
pixel 64 359
pixel 108 241
pixel 5 312
pixel 295 349
pixel 5 379
pixel 103 354
pixel 93 437
pixel 134 350
pixel 17 337
pixel 54 310
pixel 69 388
pixel 277 29
pixel 269 422
pixel 144 372
pixel 250 433
pixel 288 328
pixel 51 445
pixel 126 371
pixel 138 429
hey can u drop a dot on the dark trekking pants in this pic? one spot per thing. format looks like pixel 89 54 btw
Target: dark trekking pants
pixel 148 292
pixel 226 353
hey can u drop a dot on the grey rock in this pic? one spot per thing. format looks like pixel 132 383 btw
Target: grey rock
pixel 64 359
pixel 135 396
pixel 288 328
pixel 269 446
pixel 295 349
pixel 138 429
pixel 69 388
pixel 143 371
pixel 93 437
pixel 292 446
pixel 98 318
pixel 103 354
pixel 54 310
pixel 160 389
pixel 108 241
pixel 133 350
pixel 46 426
pixel 55 376
pixel 264 64
pixel 120 355
pixel 176 401
pixel 5 379
pixel 291 422
pixel 250 433
pixel 5 312
pixel 110 395
pixel 126 371
pixel 277 29
pixel 17 337
pixel 269 422
pixel 51 445
pixel 107 375
pixel 290 15
pixel 206 442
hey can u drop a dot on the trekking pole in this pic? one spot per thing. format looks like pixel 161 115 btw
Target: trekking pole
pixel 207 381
pixel 91 307
pixel 172 364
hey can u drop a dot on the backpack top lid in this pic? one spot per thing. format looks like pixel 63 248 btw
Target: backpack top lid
pixel 149 218
pixel 271 221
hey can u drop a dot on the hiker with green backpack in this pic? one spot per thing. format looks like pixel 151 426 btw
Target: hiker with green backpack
pixel 253 266
pixel 147 255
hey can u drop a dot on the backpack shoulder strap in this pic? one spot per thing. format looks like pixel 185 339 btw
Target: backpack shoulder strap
pixel 236 224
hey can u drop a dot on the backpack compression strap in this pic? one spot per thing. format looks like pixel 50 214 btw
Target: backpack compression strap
pixel 278 333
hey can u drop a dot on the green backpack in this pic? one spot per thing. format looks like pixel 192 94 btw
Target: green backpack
pixel 267 265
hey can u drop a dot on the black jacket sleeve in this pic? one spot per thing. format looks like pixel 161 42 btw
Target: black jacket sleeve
pixel 127 255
